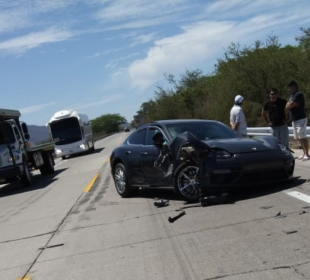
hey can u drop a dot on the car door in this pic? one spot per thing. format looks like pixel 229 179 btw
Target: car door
pixel 148 155
pixel 131 156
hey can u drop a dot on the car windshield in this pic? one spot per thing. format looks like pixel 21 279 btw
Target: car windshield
pixel 202 130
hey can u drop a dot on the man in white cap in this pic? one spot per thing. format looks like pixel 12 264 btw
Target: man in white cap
pixel 237 118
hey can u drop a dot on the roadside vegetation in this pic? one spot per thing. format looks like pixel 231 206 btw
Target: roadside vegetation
pixel 106 124
pixel 250 71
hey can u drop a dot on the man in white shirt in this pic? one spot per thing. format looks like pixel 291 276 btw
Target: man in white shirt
pixel 237 118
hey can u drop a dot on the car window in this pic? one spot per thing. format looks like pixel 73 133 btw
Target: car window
pixel 149 135
pixel 137 138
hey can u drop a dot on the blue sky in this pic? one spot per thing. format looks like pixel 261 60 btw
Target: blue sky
pixel 107 56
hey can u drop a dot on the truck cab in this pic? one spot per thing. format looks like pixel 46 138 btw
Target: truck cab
pixel 17 156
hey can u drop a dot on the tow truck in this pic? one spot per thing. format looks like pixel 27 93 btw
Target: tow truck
pixel 18 156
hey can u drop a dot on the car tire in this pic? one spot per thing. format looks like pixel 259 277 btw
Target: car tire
pixel 121 181
pixel 186 182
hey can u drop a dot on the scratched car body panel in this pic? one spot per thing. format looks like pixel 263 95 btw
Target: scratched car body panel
pixel 215 159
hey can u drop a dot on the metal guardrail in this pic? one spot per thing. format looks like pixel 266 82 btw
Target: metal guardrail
pixel 264 131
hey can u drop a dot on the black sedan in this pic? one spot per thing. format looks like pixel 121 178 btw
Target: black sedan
pixel 196 157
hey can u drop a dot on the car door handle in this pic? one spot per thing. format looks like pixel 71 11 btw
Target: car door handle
pixel 143 153
pixel 128 152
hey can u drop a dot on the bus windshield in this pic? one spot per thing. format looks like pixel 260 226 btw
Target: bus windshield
pixel 66 131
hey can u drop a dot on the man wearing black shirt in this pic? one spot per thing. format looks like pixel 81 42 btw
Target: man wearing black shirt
pixel 274 115
pixel 296 105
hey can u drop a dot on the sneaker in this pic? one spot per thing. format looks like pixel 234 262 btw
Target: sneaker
pixel 301 157
pixel 305 158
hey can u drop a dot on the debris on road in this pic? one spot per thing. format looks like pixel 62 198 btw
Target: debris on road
pixel 173 219
pixel 161 203
pixel 291 231
pixel 266 207
pixel 211 200
pixel 279 215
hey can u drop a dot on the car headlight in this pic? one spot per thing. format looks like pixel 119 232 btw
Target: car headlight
pixel 222 154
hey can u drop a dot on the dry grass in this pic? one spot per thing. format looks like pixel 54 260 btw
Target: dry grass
pixel 294 144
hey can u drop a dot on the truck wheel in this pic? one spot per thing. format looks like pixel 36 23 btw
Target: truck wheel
pixel 48 166
pixel 26 176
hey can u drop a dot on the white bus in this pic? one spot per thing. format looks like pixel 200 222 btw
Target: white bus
pixel 72 133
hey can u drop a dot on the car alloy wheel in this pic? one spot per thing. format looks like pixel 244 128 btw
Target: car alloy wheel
pixel 187 184
pixel 120 180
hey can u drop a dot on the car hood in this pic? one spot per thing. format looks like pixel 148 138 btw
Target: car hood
pixel 243 145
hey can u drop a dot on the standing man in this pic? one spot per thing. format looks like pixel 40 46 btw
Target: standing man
pixel 296 105
pixel 237 118
pixel 274 114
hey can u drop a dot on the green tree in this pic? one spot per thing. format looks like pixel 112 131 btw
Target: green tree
pixel 106 124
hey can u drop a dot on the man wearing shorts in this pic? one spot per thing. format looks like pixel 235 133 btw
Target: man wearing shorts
pixel 296 105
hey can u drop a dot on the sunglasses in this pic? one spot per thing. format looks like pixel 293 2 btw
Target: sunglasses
pixel 272 93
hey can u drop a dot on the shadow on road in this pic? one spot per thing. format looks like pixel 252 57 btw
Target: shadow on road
pixel 234 195
pixel 267 189
pixel 38 182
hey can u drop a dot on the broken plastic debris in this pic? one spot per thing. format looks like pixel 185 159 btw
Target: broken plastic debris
pixel 161 203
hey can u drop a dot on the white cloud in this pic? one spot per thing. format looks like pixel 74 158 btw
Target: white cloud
pixel 33 40
pixel 12 21
pixel 120 10
pixel 203 42
pixel 105 100
pixel 36 108
pixel 21 14
pixel 143 38
pixel 115 62
pixel 197 43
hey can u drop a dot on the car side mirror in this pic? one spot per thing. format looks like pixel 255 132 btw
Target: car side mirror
pixel 158 139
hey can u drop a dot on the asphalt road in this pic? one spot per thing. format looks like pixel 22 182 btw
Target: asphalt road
pixel 73 225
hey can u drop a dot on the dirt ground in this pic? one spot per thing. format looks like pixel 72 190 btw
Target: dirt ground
pixel 294 144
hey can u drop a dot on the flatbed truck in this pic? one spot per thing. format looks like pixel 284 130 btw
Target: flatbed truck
pixel 18 156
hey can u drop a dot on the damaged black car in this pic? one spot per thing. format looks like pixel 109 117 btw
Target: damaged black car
pixel 197 158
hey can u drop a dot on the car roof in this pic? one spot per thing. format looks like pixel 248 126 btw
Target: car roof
pixel 172 121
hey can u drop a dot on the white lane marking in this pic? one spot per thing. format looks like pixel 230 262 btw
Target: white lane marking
pixel 299 195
